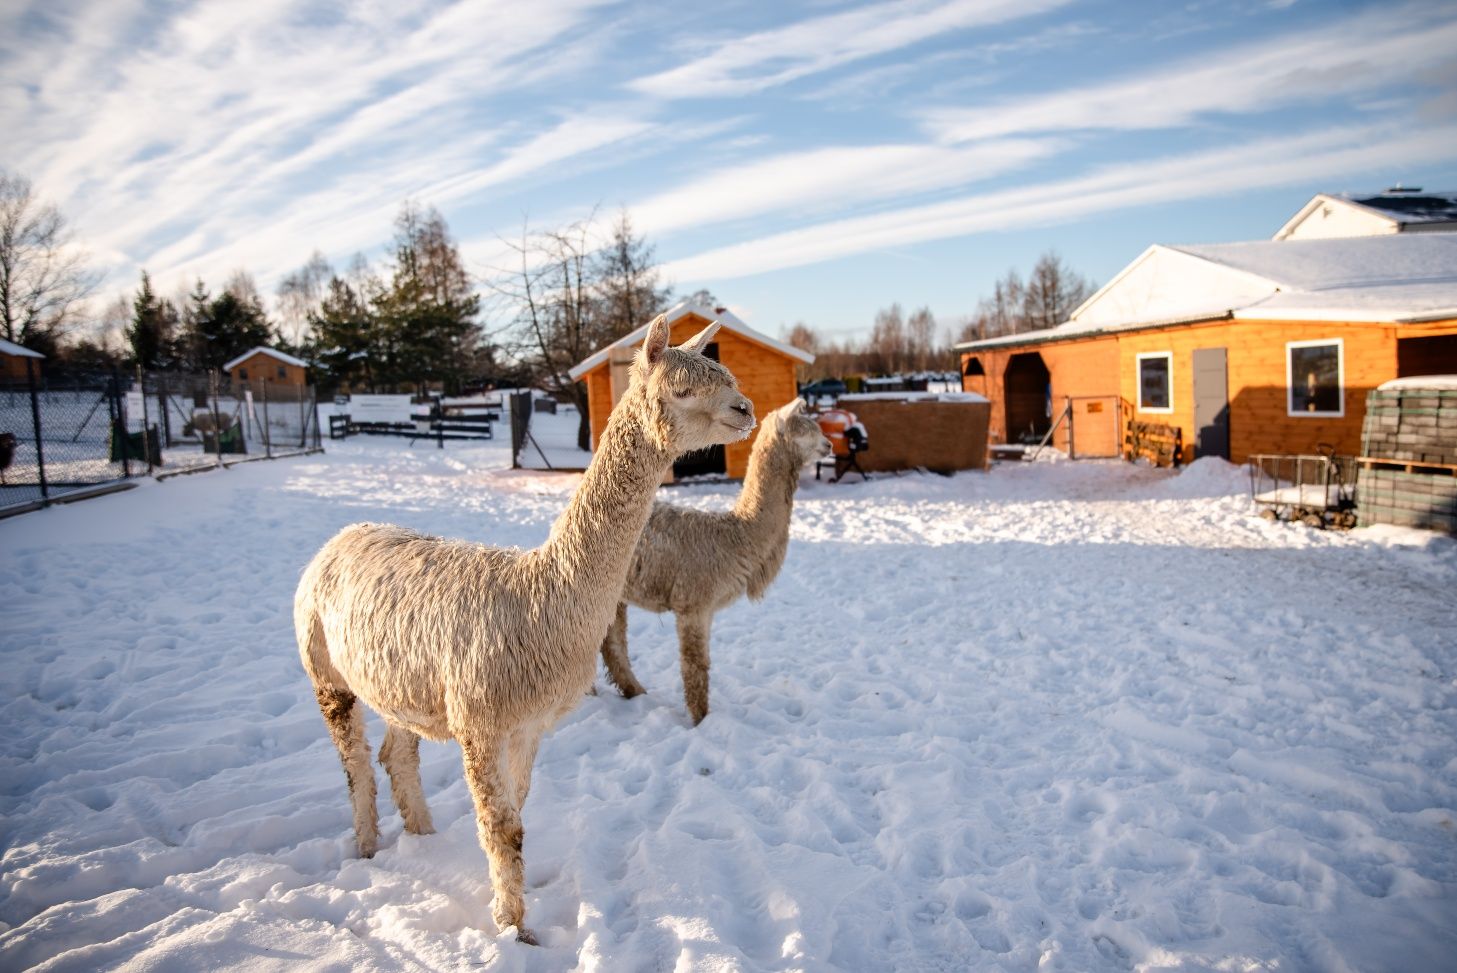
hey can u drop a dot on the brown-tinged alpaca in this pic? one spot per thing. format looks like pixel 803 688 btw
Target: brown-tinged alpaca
pixel 694 563
pixel 490 646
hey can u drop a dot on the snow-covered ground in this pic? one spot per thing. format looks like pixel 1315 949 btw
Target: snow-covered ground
pixel 1058 716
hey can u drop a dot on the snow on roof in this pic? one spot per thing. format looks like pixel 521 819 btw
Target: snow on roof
pixel 912 397
pixel 271 352
pixel 1398 278
pixel 725 319
pixel 1408 205
pixel 17 351
pixel 1445 383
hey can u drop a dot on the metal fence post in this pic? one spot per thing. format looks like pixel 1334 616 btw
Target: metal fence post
pixel 118 424
pixel 215 382
pixel 267 431
pixel 40 457
pixel 146 421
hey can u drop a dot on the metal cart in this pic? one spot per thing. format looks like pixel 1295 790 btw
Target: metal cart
pixel 1316 490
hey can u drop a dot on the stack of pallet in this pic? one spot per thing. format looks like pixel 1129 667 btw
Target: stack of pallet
pixel 1409 462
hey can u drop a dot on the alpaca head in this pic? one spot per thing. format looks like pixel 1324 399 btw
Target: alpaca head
pixel 794 429
pixel 691 401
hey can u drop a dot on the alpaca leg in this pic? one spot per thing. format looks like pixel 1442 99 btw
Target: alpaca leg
pixel 344 715
pixel 498 825
pixel 400 755
pixel 693 657
pixel 614 653
pixel 522 756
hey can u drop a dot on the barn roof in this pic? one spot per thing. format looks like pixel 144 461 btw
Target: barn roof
pixel 725 318
pixel 1398 278
pixel 17 351
pixel 287 359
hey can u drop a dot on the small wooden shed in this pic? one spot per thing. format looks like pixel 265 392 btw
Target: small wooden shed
pixel 16 363
pixel 763 366
pixel 267 365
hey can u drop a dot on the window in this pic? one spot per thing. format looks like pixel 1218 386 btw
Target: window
pixel 282 372
pixel 243 374
pixel 1156 382
pixel 973 367
pixel 1315 375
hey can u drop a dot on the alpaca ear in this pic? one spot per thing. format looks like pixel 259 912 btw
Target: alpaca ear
pixel 656 342
pixel 796 407
pixel 700 341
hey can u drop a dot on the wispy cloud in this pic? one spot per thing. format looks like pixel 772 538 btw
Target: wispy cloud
pixel 1242 168
pixel 1357 54
pixel 765 59
pixel 807 183
pixel 216 120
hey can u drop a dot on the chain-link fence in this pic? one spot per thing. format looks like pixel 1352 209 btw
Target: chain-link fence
pixel 57 440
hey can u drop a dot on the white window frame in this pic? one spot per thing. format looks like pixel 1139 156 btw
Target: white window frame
pixel 1167 356
pixel 1340 344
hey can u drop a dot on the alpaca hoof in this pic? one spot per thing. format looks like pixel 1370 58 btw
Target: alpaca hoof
pixel 367 849
pixel 628 692
pixel 524 935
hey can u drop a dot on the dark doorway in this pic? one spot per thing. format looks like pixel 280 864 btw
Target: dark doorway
pixel 1027 385
pixel 703 462
pixel 1211 402
pixel 1426 356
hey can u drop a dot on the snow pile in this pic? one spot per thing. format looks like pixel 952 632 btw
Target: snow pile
pixel 1206 477
pixel 1058 716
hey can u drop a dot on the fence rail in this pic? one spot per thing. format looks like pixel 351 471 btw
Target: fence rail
pixel 59 440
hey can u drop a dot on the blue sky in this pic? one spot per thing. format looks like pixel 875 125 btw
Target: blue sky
pixel 806 161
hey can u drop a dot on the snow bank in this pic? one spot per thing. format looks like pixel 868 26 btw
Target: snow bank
pixel 1073 717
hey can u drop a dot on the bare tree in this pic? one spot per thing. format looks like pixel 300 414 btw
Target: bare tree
pixel 887 349
pixel 299 296
pixel 552 309
pixel 921 339
pixel 1053 292
pixel 43 279
pixel 805 338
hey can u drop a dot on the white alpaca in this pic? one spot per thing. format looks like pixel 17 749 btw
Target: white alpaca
pixel 490 646
pixel 694 563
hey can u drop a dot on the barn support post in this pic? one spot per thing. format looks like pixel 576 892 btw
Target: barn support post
pixel 1072 449
pixel 118 423
pixel 40 456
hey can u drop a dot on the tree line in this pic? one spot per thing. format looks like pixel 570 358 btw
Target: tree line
pixel 418 320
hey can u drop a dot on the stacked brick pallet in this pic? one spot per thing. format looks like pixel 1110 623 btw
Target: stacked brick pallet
pixel 1409 462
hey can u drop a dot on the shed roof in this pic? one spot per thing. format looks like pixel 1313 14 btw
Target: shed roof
pixel 287 359
pixel 1398 278
pixel 1398 207
pixel 17 351
pixel 725 318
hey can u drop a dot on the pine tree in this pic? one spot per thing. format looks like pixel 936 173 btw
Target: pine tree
pixel 145 333
pixel 426 327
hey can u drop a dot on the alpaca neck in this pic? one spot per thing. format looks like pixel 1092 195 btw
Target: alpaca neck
pixel 593 540
pixel 768 495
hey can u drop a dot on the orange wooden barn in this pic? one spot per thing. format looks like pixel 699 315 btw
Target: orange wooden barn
pixel 1261 347
pixel 763 366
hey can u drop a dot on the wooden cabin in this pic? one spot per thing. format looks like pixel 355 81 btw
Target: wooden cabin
pixel 18 363
pixel 267 365
pixel 764 367
pixel 1240 348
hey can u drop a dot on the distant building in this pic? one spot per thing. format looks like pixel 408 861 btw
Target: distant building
pixel 13 363
pixel 763 366
pixel 1397 210
pixel 1261 347
pixel 267 365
